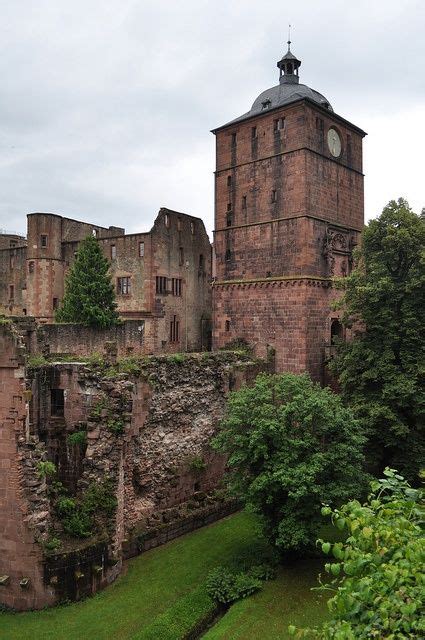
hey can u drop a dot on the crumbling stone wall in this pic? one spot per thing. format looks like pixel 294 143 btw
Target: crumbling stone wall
pixel 24 508
pixel 148 424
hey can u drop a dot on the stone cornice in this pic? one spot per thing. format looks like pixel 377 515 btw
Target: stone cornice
pixel 277 280
pixel 301 215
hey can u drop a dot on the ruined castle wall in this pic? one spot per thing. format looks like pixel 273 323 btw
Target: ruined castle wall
pixel 23 511
pixel 132 337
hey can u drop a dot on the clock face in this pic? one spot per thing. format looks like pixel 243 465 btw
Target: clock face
pixel 334 143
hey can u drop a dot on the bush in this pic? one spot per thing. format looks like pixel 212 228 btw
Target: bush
pixel 197 464
pixel 45 469
pixel 378 573
pixel 79 438
pixel 52 544
pixel 226 586
pixel 89 513
pixel 115 426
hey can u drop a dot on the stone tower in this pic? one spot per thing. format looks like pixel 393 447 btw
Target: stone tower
pixel 288 212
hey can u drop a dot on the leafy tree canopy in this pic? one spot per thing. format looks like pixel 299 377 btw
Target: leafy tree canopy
pixel 379 583
pixel 381 370
pixel 291 446
pixel 89 295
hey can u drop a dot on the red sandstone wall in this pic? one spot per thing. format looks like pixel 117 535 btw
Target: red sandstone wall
pixel 20 556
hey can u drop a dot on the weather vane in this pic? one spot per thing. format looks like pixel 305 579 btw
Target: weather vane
pixel 289 36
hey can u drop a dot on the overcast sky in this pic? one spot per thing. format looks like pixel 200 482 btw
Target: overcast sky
pixel 106 106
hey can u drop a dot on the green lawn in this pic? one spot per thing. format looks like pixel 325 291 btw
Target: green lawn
pixel 161 595
pixel 267 614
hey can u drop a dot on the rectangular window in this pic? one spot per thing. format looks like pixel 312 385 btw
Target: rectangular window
pixel 57 403
pixel 124 285
pixel 320 124
pixel 227 325
pixel 229 220
pixel 113 252
pixel 279 124
pixel 167 220
pixel 31 267
pixel 141 249
pixel 55 304
pixel 274 195
pixel 43 240
pixel 12 244
pixel 179 224
pixel 243 202
pixel 181 256
pixel 253 132
pixel 229 181
pixel 229 206
pixel 11 261
pixel 161 285
pixel 176 286
pixel 192 228
pixel 233 139
pixel 174 330
pixel 11 292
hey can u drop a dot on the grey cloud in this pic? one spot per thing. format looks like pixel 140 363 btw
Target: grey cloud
pixel 106 106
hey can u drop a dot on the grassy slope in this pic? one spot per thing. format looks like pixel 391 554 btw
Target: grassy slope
pixel 155 583
pixel 161 595
pixel 267 614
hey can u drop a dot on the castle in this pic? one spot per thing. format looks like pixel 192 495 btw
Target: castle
pixel 288 213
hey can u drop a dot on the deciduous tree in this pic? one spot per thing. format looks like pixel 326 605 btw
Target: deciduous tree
pixel 381 371
pixel 290 446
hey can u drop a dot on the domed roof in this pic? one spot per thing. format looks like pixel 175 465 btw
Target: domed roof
pixel 288 90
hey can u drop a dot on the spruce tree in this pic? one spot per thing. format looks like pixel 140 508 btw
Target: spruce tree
pixel 381 371
pixel 89 295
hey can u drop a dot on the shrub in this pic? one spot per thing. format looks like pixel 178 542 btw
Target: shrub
pixel 65 506
pixel 197 464
pixel 79 438
pixel 115 426
pixel 226 586
pixel 45 469
pixel 52 544
pixel 78 524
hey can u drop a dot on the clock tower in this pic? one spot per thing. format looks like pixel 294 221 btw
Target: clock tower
pixel 288 213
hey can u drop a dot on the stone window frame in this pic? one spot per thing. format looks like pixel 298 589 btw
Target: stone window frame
pixel 113 251
pixel 31 266
pixel 176 286
pixel 174 330
pixel 123 285
pixel 44 240
pixel 161 285
pixel 141 249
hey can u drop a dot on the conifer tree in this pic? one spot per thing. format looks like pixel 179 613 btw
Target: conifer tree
pixel 381 371
pixel 89 295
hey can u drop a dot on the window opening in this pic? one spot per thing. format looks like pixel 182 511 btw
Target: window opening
pixel 174 330
pixel 181 256
pixel 113 252
pixel 161 285
pixel 124 285
pixel 141 249
pixel 176 286
pixel 43 240
pixel 57 403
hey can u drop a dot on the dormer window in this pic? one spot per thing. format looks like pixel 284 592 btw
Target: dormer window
pixel 266 104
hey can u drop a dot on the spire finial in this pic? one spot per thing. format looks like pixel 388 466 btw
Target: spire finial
pixel 289 37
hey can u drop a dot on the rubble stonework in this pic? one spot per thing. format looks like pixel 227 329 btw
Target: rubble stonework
pixel 148 424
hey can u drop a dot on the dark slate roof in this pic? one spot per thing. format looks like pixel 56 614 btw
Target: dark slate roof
pixel 279 96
